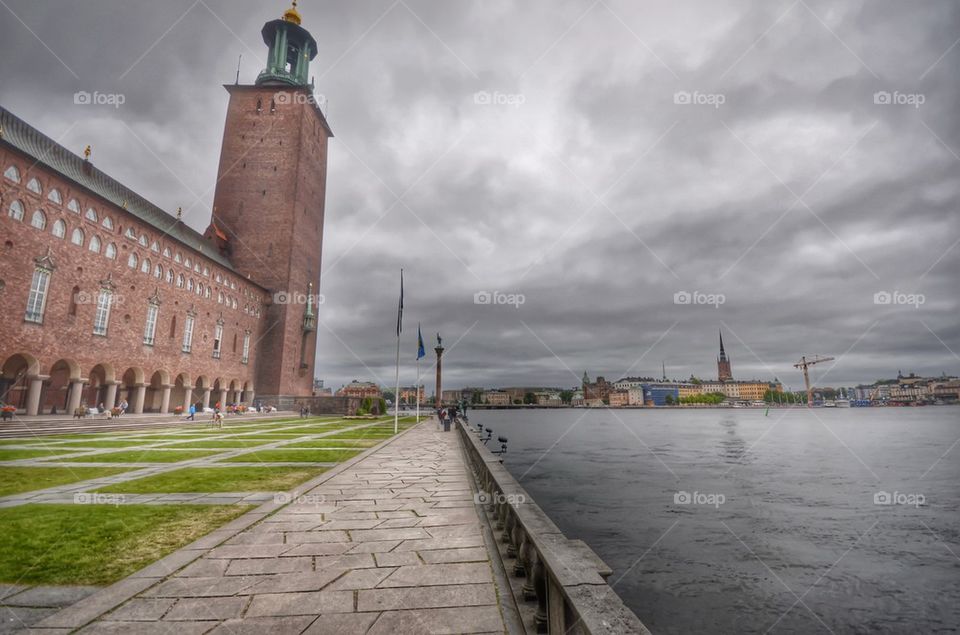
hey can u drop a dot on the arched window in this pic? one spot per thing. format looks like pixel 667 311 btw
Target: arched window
pixel 54 196
pixel 220 297
pixel 34 186
pixel 145 266
pixel 38 220
pixel 206 271
pixel 178 258
pixel 111 252
pixel 94 245
pixel 130 233
pixel 206 292
pixel 91 214
pixel 166 252
pixel 180 281
pixel 59 229
pixel 199 288
pixel 73 206
pixel 12 173
pixel 158 271
pixel 143 240
pixel 187 262
pixel 169 276
pixel 77 237
pixel 218 278
pixel 234 303
pixel 155 247
pixel 107 222
pixel 16 210
pixel 190 284
pixel 132 261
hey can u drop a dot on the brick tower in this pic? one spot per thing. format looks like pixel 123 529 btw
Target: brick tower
pixel 269 203
pixel 724 372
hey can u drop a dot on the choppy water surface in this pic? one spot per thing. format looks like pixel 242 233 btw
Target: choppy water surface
pixel 783 535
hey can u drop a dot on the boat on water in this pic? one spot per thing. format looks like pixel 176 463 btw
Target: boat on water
pixel 829 403
pixel 842 403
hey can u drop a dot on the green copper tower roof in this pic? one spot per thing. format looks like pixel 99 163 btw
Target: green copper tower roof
pixel 291 48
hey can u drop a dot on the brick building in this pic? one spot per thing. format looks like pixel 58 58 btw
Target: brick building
pixel 360 389
pixel 105 297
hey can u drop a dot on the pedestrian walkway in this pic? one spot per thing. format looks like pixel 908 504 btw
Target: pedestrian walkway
pixel 390 542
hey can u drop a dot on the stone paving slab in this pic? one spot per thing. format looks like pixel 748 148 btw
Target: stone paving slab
pixel 376 547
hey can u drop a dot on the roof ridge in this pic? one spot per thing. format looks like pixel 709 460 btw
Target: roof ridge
pixel 31 141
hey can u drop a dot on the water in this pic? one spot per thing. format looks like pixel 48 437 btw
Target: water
pixel 796 545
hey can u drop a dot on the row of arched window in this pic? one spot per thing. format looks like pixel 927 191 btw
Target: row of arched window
pixel 38 219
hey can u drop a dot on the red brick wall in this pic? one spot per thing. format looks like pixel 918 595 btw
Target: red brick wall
pixel 70 337
pixel 270 202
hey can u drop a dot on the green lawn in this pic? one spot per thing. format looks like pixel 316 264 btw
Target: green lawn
pixel 16 455
pixel 142 456
pixel 223 443
pixel 108 443
pixel 218 479
pixel 15 480
pixel 339 442
pixel 284 456
pixel 97 544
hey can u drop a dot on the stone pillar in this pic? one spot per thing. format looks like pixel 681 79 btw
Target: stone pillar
pixel 439 350
pixel 236 396
pixel 76 391
pixel 33 393
pixel 138 398
pixel 247 396
pixel 206 397
pixel 165 400
pixel 223 398
pixel 111 399
pixel 187 398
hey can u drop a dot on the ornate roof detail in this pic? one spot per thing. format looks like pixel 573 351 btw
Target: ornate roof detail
pixel 46 261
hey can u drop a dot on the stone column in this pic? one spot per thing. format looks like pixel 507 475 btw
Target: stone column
pixel 439 403
pixel 247 396
pixel 165 399
pixel 111 399
pixel 76 391
pixel 187 398
pixel 33 393
pixel 138 398
pixel 206 397
pixel 223 398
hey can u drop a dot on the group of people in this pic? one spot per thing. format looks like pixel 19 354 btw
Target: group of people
pixel 120 409
pixel 446 416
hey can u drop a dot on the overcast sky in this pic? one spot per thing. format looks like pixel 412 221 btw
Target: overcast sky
pixel 597 158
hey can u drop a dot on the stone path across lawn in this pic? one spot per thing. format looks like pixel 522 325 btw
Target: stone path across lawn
pixel 391 543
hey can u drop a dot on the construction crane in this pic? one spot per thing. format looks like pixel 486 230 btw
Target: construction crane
pixel 805 363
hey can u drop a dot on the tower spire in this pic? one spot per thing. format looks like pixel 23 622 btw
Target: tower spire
pixel 722 353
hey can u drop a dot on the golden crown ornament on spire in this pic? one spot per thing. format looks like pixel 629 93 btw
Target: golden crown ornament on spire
pixel 86 153
pixel 291 14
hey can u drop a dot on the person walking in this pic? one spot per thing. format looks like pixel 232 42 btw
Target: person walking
pixel 193 412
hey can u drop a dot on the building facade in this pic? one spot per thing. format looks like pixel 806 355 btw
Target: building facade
pixel 105 298
pixel 360 389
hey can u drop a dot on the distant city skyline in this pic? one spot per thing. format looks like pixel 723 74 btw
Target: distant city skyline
pixel 567 186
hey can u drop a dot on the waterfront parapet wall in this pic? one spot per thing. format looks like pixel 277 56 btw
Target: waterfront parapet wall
pixel 564 586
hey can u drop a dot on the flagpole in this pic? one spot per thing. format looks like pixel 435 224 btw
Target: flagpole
pixel 396 395
pixel 417 389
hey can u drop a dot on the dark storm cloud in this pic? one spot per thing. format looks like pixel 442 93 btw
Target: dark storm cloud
pixel 537 148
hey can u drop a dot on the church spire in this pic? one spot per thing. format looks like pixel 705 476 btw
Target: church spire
pixel 722 353
pixel 291 50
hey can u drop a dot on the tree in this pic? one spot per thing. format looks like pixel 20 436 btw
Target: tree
pixel 388 395
pixel 529 398
pixel 668 400
pixel 566 396
pixel 476 397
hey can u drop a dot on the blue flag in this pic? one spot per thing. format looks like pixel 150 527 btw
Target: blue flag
pixel 420 351
pixel 400 307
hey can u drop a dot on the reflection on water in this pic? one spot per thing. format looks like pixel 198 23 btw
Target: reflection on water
pixel 797 544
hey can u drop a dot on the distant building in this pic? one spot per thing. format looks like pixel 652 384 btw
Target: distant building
pixel 408 394
pixel 548 398
pixel 599 389
pixel 619 398
pixel 656 394
pixel 724 372
pixel 360 389
pixel 451 396
pixel 635 396
pixel 319 390
pixel 496 398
